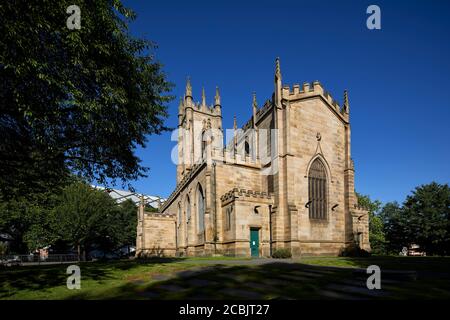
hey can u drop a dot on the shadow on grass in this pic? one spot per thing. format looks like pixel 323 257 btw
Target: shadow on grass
pixel 413 279
pixel 419 264
pixel 35 278
pixel 310 278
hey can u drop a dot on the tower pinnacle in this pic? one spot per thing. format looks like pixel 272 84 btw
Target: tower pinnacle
pixel 180 106
pixel 203 97
pixel 188 88
pixel 254 109
pixel 217 98
pixel 277 68
pixel 346 104
pixel 278 84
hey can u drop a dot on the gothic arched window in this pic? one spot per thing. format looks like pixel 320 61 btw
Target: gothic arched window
pixel 201 209
pixel 317 190
pixel 179 215
pixel 188 209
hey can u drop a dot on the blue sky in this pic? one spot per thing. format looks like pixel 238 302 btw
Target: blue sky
pixel 398 77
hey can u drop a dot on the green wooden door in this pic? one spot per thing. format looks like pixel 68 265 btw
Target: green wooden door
pixel 254 242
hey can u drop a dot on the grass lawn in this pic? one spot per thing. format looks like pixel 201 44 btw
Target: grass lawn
pixel 432 264
pixel 99 280
pixel 227 278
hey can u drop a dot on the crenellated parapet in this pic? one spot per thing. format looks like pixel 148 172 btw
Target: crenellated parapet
pixel 231 157
pixel 213 110
pixel 308 90
pixel 188 102
pixel 246 195
pixel 207 109
pixel 268 105
pixel 159 215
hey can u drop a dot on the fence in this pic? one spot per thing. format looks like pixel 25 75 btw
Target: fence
pixel 37 259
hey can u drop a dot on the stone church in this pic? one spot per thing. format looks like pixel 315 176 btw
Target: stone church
pixel 283 180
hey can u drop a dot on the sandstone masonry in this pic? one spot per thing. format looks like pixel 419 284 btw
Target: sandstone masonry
pixel 284 180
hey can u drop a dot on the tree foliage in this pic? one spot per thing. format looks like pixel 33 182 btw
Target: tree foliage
pixel 424 219
pixel 74 100
pixel 427 214
pixel 87 218
pixel 376 232
pixel 122 225
pixel 77 216
pixel 27 220
pixel 394 226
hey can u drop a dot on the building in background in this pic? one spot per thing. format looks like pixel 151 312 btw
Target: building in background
pixel 122 195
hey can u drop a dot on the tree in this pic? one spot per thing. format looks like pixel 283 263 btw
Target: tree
pixel 122 226
pixel 76 216
pixel 129 223
pixel 81 214
pixel 395 227
pixel 376 232
pixel 28 221
pixel 427 212
pixel 74 100
pixel 423 219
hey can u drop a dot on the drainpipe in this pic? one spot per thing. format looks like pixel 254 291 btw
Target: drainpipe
pixel 270 230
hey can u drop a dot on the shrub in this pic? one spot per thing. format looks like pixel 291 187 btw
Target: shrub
pixel 283 253
pixel 354 251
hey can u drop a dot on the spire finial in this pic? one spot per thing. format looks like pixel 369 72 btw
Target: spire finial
pixel 203 97
pixel 235 123
pixel 277 68
pixel 254 102
pixel 217 97
pixel 278 93
pixel 346 104
pixel 188 87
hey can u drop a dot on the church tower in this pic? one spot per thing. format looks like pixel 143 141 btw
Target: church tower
pixel 199 130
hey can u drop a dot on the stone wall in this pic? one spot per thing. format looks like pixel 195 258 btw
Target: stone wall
pixel 248 209
pixel 316 132
pixel 156 235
